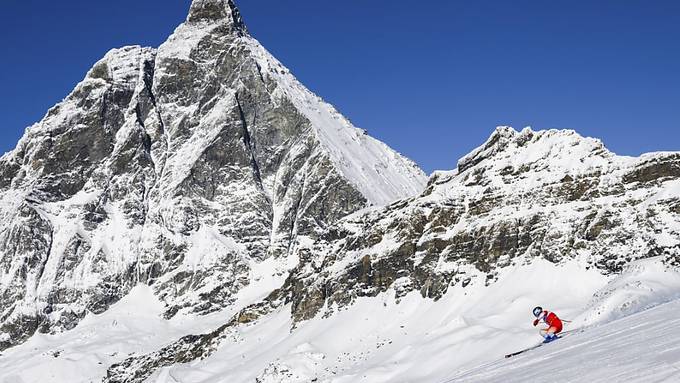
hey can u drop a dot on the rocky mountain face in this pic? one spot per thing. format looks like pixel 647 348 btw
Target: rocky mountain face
pixel 520 197
pixel 185 167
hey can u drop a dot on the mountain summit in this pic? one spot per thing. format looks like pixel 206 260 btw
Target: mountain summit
pixel 196 168
pixel 216 10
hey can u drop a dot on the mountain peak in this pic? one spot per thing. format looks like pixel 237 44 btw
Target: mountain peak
pixel 498 140
pixel 216 11
pixel 530 145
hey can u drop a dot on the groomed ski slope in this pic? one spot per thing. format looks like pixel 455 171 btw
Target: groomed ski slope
pixel 644 347
pixel 462 337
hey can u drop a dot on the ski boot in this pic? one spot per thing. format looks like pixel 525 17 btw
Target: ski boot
pixel 549 338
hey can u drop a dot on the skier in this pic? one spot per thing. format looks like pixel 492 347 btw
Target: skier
pixel 554 324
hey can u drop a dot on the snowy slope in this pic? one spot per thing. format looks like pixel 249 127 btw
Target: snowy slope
pixel 639 348
pixel 380 339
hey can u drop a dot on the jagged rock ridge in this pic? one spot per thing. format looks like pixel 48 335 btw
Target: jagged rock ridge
pixel 182 167
pixel 521 196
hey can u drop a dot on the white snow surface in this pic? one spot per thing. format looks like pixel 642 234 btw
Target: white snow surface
pixel 462 337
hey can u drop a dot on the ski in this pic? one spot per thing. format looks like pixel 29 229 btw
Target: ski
pixel 562 335
pixel 559 336
pixel 525 350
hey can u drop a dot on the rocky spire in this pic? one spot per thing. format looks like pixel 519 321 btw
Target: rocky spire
pixel 216 10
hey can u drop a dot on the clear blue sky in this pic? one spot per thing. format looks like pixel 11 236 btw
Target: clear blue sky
pixel 432 78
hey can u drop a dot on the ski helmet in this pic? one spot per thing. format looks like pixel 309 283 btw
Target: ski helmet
pixel 537 311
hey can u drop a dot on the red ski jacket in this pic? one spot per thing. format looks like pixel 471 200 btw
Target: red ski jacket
pixel 550 319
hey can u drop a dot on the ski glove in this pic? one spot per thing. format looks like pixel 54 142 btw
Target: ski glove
pixel 535 322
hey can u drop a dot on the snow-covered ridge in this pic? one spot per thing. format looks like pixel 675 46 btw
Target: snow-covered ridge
pixel 531 145
pixel 381 174
pixel 529 159
pixel 548 194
